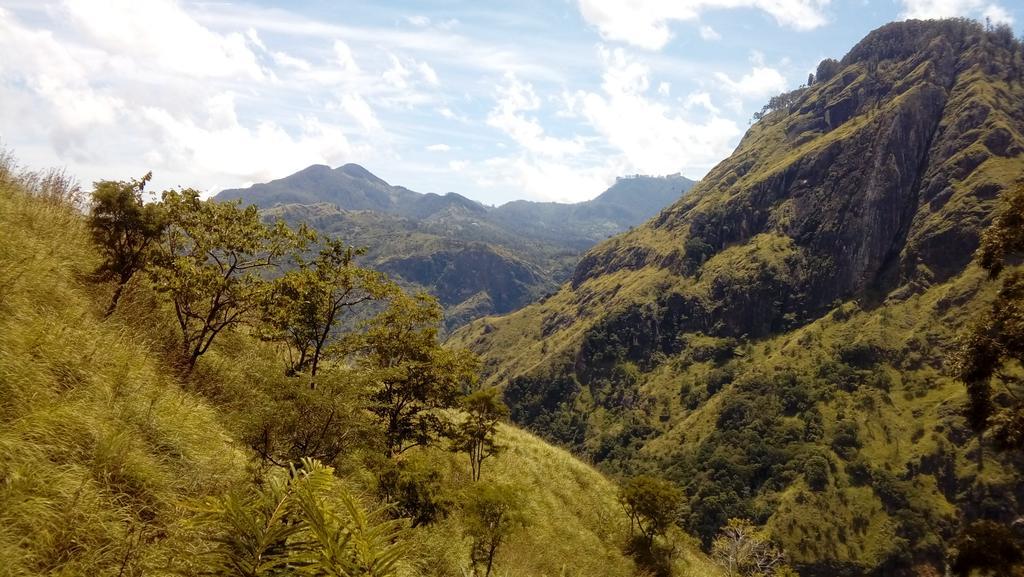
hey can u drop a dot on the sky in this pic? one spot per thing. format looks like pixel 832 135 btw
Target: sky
pixel 495 100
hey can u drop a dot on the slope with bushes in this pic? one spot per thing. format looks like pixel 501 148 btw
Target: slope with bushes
pixel 115 460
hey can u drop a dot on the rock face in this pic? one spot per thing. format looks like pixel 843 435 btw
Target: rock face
pixel 883 176
pixel 477 260
pixel 456 275
pixel 724 341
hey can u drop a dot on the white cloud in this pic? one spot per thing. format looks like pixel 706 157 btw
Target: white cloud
pixel 360 110
pixel 397 75
pixel 997 14
pixel 652 137
pixel 701 99
pixel 56 79
pixel 709 33
pixel 761 82
pixel 113 111
pixel 220 145
pixel 458 165
pixel 161 35
pixel 344 58
pixel 418 20
pixel 428 73
pixel 255 39
pixel 635 130
pixel 547 180
pixel 933 9
pixel 438 148
pixel 645 23
pixel 285 60
pixel 516 98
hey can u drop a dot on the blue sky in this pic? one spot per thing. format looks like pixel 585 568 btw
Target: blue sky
pixel 545 100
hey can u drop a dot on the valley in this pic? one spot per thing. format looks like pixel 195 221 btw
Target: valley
pixel 477 260
pixel 807 363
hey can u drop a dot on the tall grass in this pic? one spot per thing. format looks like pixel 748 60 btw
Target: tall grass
pixel 98 449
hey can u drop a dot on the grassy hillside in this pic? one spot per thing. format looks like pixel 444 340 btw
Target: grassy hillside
pixel 99 447
pixel 106 453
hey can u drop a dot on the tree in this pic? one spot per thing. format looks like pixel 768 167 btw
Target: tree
pixel 493 514
pixel 997 337
pixel 816 472
pixel 476 435
pixel 416 490
pixel 653 505
pixel 324 423
pixel 307 303
pixel 210 264
pixel 125 229
pixel 826 70
pixel 409 374
pixel 742 551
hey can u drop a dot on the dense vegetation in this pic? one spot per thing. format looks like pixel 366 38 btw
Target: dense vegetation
pixel 475 259
pixel 784 343
pixel 203 424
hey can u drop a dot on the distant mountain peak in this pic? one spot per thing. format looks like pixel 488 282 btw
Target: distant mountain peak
pixel 357 171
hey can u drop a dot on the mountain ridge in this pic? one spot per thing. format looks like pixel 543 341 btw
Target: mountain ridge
pixel 799 304
pixel 476 259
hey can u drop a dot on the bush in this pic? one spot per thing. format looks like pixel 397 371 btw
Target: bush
pixel 416 491
pixel 816 472
pixel 293 522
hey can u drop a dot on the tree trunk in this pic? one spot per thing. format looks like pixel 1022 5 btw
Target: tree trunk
pixel 490 560
pixel 115 299
pixel 981 451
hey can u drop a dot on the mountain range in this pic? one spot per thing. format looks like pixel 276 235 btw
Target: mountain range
pixel 779 341
pixel 476 259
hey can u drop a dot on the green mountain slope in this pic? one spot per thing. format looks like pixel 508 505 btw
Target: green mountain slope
pixel 477 260
pixel 106 452
pixel 776 341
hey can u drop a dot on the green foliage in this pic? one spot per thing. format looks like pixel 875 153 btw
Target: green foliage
pixel 325 422
pixel 997 338
pixel 211 264
pixel 306 304
pixel 476 434
pixel 494 512
pixel 306 521
pixel 816 472
pixel 826 70
pixel 125 231
pixel 416 491
pixel 653 505
pixel 410 375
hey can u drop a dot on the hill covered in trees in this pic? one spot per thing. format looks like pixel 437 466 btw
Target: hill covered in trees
pixel 785 342
pixel 171 404
pixel 475 259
